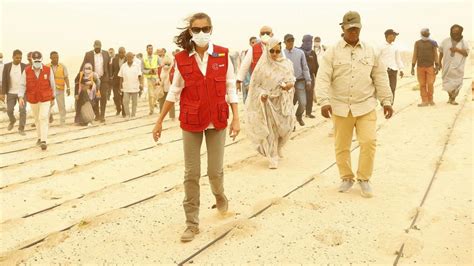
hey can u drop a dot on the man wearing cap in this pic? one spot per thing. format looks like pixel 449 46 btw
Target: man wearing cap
pixel 390 56
pixel 253 55
pixel 38 85
pixel 301 72
pixel 425 57
pixel 99 59
pixel 350 79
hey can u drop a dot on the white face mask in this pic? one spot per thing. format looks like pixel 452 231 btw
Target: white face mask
pixel 37 64
pixel 317 44
pixel 265 38
pixel 201 39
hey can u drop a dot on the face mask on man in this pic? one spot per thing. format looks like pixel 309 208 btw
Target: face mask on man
pixel 317 44
pixel 265 38
pixel 201 39
pixel 1 60
pixel 37 64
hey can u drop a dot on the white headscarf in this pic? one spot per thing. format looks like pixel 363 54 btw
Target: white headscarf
pixel 267 79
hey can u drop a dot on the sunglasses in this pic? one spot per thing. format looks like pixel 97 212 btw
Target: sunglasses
pixel 273 51
pixel 88 68
pixel 265 32
pixel 197 30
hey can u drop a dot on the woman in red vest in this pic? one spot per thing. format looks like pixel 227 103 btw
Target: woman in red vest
pixel 39 86
pixel 202 80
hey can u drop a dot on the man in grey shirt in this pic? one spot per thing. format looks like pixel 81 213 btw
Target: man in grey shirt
pixel 303 79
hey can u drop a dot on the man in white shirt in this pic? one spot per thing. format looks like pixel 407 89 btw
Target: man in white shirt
pixel 390 56
pixel 319 49
pixel 131 83
pixel 11 83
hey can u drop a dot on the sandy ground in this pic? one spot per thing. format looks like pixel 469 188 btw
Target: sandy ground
pixel 109 194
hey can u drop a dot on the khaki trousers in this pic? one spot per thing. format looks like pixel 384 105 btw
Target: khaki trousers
pixel 365 126
pixel 151 93
pixel 426 78
pixel 215 141
pixel 41 115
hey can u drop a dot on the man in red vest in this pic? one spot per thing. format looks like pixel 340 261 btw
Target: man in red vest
pixel 253 55
pixel 202 81
pixel 39 86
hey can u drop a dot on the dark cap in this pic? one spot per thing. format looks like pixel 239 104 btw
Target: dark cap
pixel 36 55
pixel 351 20
pixel 390 32
pixel 288 36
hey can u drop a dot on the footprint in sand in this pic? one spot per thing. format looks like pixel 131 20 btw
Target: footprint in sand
pixel 331 237
pixel 242 228
pixel 390 244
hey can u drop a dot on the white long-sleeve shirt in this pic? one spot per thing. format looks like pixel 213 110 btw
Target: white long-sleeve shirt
pixel 390 56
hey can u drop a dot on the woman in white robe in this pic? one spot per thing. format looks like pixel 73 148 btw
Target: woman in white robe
pixel 269 106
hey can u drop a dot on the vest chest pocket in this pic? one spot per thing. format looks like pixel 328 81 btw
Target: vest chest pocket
pixel 220 84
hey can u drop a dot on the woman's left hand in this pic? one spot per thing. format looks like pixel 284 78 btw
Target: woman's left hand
pixel 234 128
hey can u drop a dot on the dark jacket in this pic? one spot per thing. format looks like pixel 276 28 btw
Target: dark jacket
pixel 116 68
pixel 89 58
pixel 313 65
pixel 6 77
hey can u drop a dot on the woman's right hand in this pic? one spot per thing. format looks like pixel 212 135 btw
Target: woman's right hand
pixel 77 97
pixel 264 98
pixel 157 131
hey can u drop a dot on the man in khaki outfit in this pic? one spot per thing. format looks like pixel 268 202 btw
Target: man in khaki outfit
pixel 351 78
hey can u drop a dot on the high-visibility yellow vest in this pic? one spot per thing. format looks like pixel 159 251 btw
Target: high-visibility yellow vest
pixel 150 65
pixel 58 76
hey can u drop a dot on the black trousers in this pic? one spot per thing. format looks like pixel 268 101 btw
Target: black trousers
pixel 99 107
pixel 392 78
pixel 118 97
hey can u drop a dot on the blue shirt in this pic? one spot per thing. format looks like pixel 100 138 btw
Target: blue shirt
pixel 300 65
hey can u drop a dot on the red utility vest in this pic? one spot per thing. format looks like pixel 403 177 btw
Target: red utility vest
pixel 202 99
pixel 257 52
pixel 38 89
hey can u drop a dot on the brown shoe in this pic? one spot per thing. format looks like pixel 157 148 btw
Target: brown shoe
pixel 422 104
pixel 189 234
pixel 222 204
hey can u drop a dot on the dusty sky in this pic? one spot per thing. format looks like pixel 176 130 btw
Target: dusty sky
pixel 71 26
